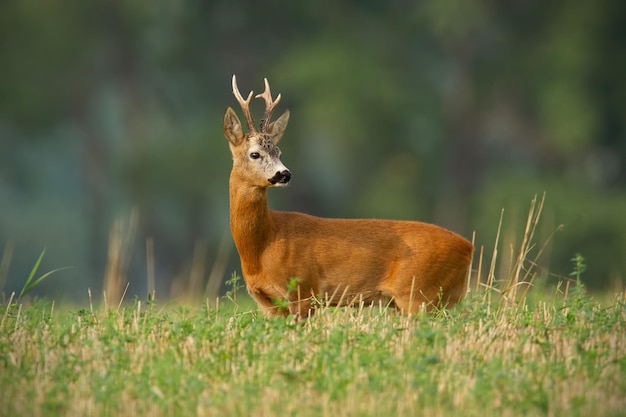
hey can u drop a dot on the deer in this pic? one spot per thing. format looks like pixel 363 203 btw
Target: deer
pixel 408 265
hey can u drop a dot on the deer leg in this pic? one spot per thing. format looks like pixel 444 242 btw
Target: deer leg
pixel 265 302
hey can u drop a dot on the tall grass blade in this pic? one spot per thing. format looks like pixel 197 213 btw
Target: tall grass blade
pixel 30 284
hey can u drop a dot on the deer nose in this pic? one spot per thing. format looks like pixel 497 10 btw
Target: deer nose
pixel 281 177
pixel 285 176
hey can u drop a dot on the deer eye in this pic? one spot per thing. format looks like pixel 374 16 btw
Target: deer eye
pixel 255 155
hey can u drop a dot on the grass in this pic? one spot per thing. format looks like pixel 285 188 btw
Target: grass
pixel 505 350
pixel 565 355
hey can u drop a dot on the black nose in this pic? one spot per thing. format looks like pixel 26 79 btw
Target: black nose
pixel 286 176
pixel 281 177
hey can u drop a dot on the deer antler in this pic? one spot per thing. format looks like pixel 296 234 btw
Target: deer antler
pixel 245 105
pixel 269 106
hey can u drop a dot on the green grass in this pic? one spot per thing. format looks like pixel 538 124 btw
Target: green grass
pixel 548 355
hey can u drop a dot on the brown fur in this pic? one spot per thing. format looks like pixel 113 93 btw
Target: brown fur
pixel 406 264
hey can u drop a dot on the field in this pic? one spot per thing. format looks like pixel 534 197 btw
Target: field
pixel 560 355
pixel 513 347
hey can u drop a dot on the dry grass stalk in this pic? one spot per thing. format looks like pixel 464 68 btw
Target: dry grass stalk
pixel 121 239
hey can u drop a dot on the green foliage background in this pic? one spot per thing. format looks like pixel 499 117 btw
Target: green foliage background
pixel 438 110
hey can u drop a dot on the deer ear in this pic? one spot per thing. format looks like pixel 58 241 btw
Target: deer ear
pixel 277 127
pixel 232 127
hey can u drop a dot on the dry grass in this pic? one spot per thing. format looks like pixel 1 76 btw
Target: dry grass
pixel 563 356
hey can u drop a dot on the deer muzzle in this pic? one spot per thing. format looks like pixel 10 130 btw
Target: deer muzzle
pixel 281 177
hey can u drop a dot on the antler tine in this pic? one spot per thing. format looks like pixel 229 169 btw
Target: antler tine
pixel 245 105
pixel 269 105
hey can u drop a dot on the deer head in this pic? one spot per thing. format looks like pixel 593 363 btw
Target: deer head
pixel 256 158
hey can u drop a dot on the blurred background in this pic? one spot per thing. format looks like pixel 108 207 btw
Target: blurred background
pixel 112 155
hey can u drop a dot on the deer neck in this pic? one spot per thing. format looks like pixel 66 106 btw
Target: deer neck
pixel 250 222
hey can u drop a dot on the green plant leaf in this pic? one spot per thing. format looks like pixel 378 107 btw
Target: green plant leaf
pixel 30 284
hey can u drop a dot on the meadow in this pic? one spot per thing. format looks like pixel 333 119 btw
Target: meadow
pixel 565 354
pixel 514 346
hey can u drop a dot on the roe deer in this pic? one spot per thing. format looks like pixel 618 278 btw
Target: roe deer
pixel 406 264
